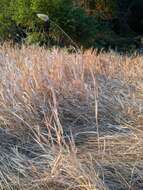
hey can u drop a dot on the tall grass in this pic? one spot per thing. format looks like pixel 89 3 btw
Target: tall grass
pixel 70 121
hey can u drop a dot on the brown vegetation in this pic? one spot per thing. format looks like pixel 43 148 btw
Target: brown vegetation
pixel 70 121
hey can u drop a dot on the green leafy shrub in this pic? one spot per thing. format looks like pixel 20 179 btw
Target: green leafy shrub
pixel 74 21
pixel 19 22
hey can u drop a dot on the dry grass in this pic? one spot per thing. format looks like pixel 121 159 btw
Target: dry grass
pixel 70 121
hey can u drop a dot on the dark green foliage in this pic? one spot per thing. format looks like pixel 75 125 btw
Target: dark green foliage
pixel 74 21
pixel 105 26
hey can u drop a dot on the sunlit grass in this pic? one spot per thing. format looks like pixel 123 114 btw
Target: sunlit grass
pixel 70 121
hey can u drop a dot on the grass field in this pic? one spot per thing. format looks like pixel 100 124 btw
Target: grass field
pixel 70 121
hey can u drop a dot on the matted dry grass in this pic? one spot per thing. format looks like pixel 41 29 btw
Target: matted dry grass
pixel 70 121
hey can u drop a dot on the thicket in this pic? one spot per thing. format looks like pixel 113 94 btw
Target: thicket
pixel 96 23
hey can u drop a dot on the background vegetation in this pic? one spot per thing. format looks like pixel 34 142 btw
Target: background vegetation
pixel 90 23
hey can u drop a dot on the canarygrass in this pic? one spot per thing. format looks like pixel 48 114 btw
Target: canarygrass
pixel 70 121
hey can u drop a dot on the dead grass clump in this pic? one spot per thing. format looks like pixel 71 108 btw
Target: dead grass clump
pixel 70 121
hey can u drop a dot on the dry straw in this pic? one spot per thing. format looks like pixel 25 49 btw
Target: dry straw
pixel 49 120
